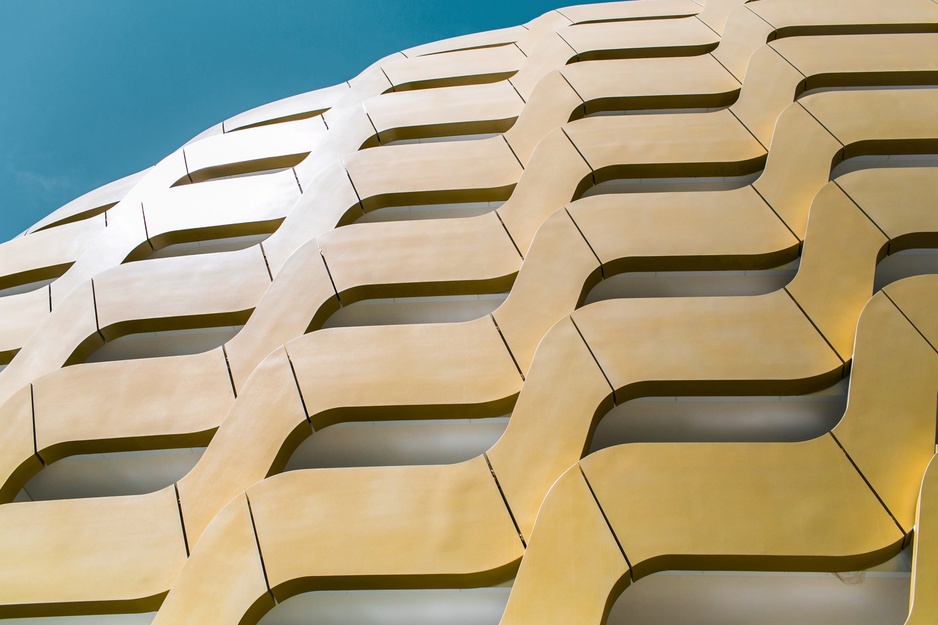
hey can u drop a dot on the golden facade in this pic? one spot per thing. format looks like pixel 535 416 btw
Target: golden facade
pixel 630 226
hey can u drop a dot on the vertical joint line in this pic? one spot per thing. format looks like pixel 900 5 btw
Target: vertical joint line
pixel 504 500
pixel 811 321
pixel 785 58
pixel 712 56
pixel 615 400
pixel 299 391
pixel 771 36
pixel 386 77
pixel 712 29
pixel 32 407
pixel 372 122
pixel 577 93
pixel 322 116
pixel 564 16
pixel 572 49
pixel 94 305
pixel 602 270
pixel 865 214
pixel 820 123
pixel 228 366
pixel 297 178
pixel 146 231
pixel 513 153
pixel 331 281
pixel 592 171
pixel 260 554
pixel 749 130
pixel 352 182
pixel 902 312
pixel 508 232
pixel 266 264
pixel 606 519
pixel 784 223
pixel 516 91
pixel 223 131
pixel 182 522
pixel 515 44
pixel 185 161
pixel 50 298
pixel 507 346
pixel 105 219
pixel 867 482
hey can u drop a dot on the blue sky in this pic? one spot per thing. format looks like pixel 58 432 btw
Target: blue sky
pixel 93 90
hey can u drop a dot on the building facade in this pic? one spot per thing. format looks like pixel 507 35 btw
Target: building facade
pixel 622 315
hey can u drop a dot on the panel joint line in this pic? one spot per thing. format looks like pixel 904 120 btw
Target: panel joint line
pixel 260 554
pixel 513 153
pixel 507 346
pixel 508 232
pixel 32 406
pixel 814 325
pixel 297 178
pixel 94 305
pixel 266 263
pixel 182 523
pixel 352 182
pixel 606 519
pixel 902 312
pixel 331 281
pixel 867 482
pixel 505 500
pixel 615 401
pixel 299 391
pixel 228 367
pixel 146 231
pixel 602 270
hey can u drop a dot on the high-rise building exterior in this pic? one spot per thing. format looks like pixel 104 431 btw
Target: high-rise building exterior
pixel 620 316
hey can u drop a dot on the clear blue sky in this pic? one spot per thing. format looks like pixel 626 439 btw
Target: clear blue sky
pixel 93 90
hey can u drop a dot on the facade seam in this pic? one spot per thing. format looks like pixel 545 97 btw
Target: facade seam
pixel 602 270
pixel 32 407
pixel 606 519
pixel 592 171
pixel 902 312
pixel 615 401
pixel 867 482
pixel 299 391
pixel 505 500
pixel 516 91
pixel 513 153
pixel 784 223
pixel 146 231
pixel 814 325
pixel 821 124
pixel 329 273
pixel 266 263
pixel 865 214
pixel 574 50
pixel 260 554
pixel 507 346
pixel 182 523
pixel 224 352
pixel 94 306
pixel 508 232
